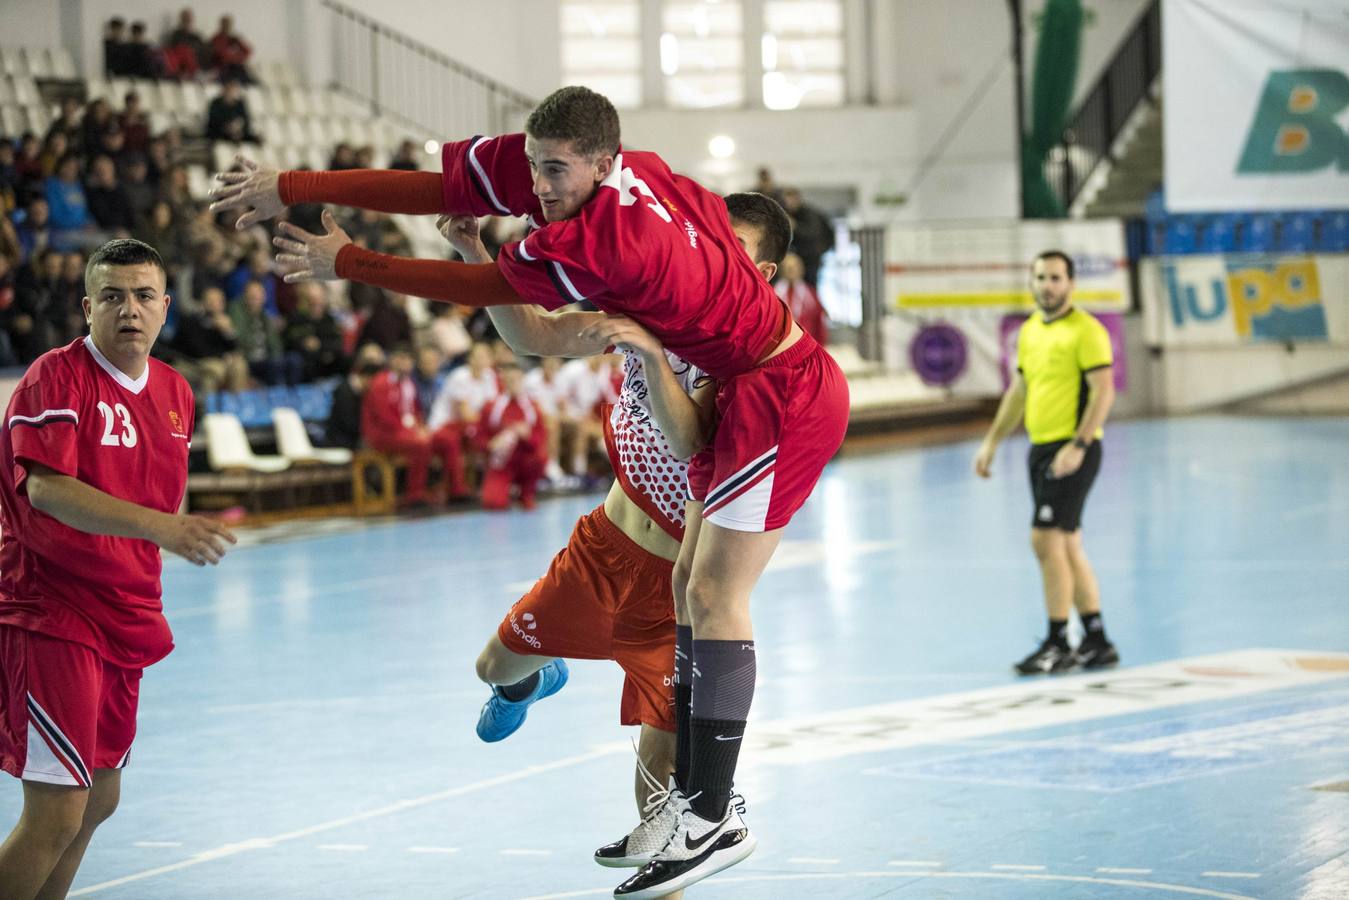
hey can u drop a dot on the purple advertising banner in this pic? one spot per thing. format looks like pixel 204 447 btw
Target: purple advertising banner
pixel 1010 327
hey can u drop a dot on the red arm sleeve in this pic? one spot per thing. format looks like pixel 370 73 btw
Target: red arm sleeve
pixel 468 284
pixel 381 190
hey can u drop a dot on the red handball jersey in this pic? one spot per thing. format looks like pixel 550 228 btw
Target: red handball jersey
pixel 650 244
pixel 76 413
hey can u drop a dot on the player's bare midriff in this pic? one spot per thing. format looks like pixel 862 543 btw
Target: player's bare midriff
pixel 638 526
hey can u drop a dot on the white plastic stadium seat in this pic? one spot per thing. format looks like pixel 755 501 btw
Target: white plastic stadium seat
pixel 293 440
pixel 11 61
pixel 25 92
pixel 227 447
pixel 11 120
pixel 62 65
pixel 39 66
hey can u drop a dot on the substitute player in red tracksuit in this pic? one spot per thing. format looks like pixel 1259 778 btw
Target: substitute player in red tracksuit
pixel 392 422
pixel 514 440
pixel 93 466
pixel 619 229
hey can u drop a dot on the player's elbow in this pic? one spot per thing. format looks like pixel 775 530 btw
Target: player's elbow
pixel 40 493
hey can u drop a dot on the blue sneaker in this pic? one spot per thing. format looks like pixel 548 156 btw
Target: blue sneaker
pixel 500 718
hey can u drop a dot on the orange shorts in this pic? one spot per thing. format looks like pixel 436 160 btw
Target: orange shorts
pixel 604 597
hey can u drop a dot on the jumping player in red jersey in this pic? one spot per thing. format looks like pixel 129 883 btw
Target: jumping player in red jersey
pixel 93 456
pixel 620 229
pixel 608 594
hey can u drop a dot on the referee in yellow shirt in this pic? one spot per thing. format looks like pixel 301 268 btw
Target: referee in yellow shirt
pixel 1063 384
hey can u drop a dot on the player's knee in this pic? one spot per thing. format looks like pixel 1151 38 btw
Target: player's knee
pixel 1047 543
pixel 101 807
pixel 490 668
pixel 705 603
pixel 56 820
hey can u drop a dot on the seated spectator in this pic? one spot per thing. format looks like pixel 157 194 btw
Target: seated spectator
pixel 185 51
pixel 69 124
pixel 227 117
pixel 259 339
pixel 69 207
pixel 448 332
pixel 584 384
pixel 135 124
pixel 159 161
pixel 467 390
pixel 53 148
pixel 28 164
pixel 108 203
pixel 812 233
pixel 39 297
pixel 344 157
pixel 313 333
pixel 14 323
pixel 112 144
pixel 142 57
pixel 365 157
pixel 161 231
pixel 140 193
pixel 116 50
pixel 801 299
pixel 429 375
pixel 344 417
pixel 257 267
pixel 174 189
pixel 387 322
pixel 230 53
pixel 9 179
pixel 541 383
pixel 33 228
pixel 97 119
pixel 66 314
pixel 392 422
pixel 208 348
pixel 514 441
pixel 406 157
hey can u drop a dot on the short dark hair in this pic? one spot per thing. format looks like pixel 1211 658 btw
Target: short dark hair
pixel 1059 254
pixel 766 214
pixel 123 252
pixel 579 115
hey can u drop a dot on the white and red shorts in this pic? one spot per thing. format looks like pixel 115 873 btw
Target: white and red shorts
pixel 64 711
pixel 778 424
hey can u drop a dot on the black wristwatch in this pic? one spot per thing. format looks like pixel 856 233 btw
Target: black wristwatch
pixel 1080 444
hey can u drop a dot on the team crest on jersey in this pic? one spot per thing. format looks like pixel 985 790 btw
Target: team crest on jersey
pixel 176 422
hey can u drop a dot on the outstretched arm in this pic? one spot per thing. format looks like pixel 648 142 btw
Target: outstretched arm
pixel 264 193
pixel 332 255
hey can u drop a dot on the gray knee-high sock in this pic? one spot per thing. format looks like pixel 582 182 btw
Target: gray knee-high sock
pixel 723 689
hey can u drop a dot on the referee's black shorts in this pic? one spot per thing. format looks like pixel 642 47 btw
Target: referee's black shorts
pixel 1059 501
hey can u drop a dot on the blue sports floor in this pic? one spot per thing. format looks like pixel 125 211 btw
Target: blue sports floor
pixel 312 735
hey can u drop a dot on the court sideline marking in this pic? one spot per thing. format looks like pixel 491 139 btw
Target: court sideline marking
pixel 234 849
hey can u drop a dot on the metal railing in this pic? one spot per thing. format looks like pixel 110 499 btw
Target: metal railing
pixel 408 81
pixel 1091 131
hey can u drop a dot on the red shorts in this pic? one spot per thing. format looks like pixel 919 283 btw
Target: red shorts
pixel 604 597
pixel 64 711
pixel 778 424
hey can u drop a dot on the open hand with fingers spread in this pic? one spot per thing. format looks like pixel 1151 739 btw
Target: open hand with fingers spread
pixel 622 332
pixel 310 257
pixel 253 189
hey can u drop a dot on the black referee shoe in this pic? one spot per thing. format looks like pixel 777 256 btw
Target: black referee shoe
pixel 1096 654
pixel 1048 659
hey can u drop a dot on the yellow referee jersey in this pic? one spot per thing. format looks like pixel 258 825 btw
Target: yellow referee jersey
pixel 1054 358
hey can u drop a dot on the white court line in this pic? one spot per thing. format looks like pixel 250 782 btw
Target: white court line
pixel 1230 874
pixel 840 876
pixel 1111 870
pixel 513 852
pixel 157 844
pixel 433 849
pixel 926 863
pixel 234 849
pixel 813 861
pixel 344 848
pixel 1012 867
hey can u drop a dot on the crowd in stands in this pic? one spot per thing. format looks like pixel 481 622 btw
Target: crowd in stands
pixel 182 53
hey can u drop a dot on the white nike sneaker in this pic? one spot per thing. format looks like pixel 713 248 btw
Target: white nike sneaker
pixel 697 849
pixel 662 812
